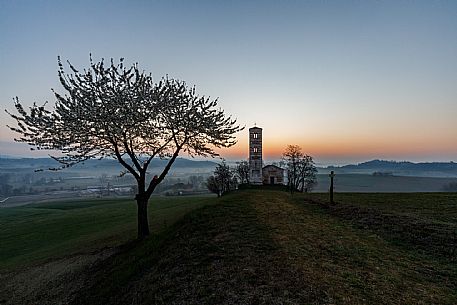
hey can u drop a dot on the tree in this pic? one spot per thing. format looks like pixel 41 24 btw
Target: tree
pixel 214 185
pixel 308 171
pixel 291 158
pixel 5 188
pixel 193 180
pixel 223 180
pixel 111 111
pixel 242 171
pixel 301 170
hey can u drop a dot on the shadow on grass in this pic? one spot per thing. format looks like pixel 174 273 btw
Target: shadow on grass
pixel 218 254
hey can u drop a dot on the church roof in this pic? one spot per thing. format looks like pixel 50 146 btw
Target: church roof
pixel 271 165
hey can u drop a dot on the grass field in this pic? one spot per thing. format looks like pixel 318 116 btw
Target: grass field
pixel 439 207
pixel 250 247
pixel 367 183
pixel 426 222
pixel 39 232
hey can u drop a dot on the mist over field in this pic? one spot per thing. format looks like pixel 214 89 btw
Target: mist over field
pixel 29 180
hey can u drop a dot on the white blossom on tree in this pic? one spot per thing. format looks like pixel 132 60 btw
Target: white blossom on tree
pixel 114 111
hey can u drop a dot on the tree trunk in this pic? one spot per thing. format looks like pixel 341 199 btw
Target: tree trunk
pixel 143 224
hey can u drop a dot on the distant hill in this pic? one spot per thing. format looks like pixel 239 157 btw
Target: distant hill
pixel 403 168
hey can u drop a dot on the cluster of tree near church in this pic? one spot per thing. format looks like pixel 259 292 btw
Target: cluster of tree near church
pixel 111 110
pixel 300 168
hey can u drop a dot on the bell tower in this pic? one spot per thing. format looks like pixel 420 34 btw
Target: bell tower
pixel 255 155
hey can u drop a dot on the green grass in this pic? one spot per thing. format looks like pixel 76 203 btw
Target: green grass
pixel 38 232
pixel 369 183
pixel 439 207
pixel 254 246
pixel 424 222
pixel 268 247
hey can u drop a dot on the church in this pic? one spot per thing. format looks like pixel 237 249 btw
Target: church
pixel 259 174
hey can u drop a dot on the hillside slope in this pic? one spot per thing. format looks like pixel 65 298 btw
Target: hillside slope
pixel 266 247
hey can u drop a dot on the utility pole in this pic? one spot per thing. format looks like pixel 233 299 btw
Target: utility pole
pixel 332 174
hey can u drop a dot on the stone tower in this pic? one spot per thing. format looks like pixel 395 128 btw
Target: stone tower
pixel 255 155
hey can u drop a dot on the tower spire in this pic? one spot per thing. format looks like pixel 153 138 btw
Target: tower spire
pixel 255 154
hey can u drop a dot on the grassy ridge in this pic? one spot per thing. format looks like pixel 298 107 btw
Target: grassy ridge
pixel 267 247
pixel 255 246
pixel 200 260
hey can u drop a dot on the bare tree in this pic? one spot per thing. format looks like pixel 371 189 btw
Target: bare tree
pixel 301 171
pixel 291 158
pixel 119 112
pixel 242 171
pixel 307 174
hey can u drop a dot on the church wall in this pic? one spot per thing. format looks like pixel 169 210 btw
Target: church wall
pixel 274 172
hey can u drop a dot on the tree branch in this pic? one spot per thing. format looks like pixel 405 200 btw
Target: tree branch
pixel 155 182
pixel 122 161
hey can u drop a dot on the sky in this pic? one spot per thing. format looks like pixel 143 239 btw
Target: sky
pixel 348 81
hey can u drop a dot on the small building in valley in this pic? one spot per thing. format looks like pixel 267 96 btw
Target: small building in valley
pixel 272 174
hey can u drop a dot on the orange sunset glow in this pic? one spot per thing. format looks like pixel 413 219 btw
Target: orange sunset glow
pixel 396 146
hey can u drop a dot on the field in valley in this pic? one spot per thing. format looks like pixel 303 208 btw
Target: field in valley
pixel 249 247
pixel 367 183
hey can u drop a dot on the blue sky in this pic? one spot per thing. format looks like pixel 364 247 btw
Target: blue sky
pixel 346 80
